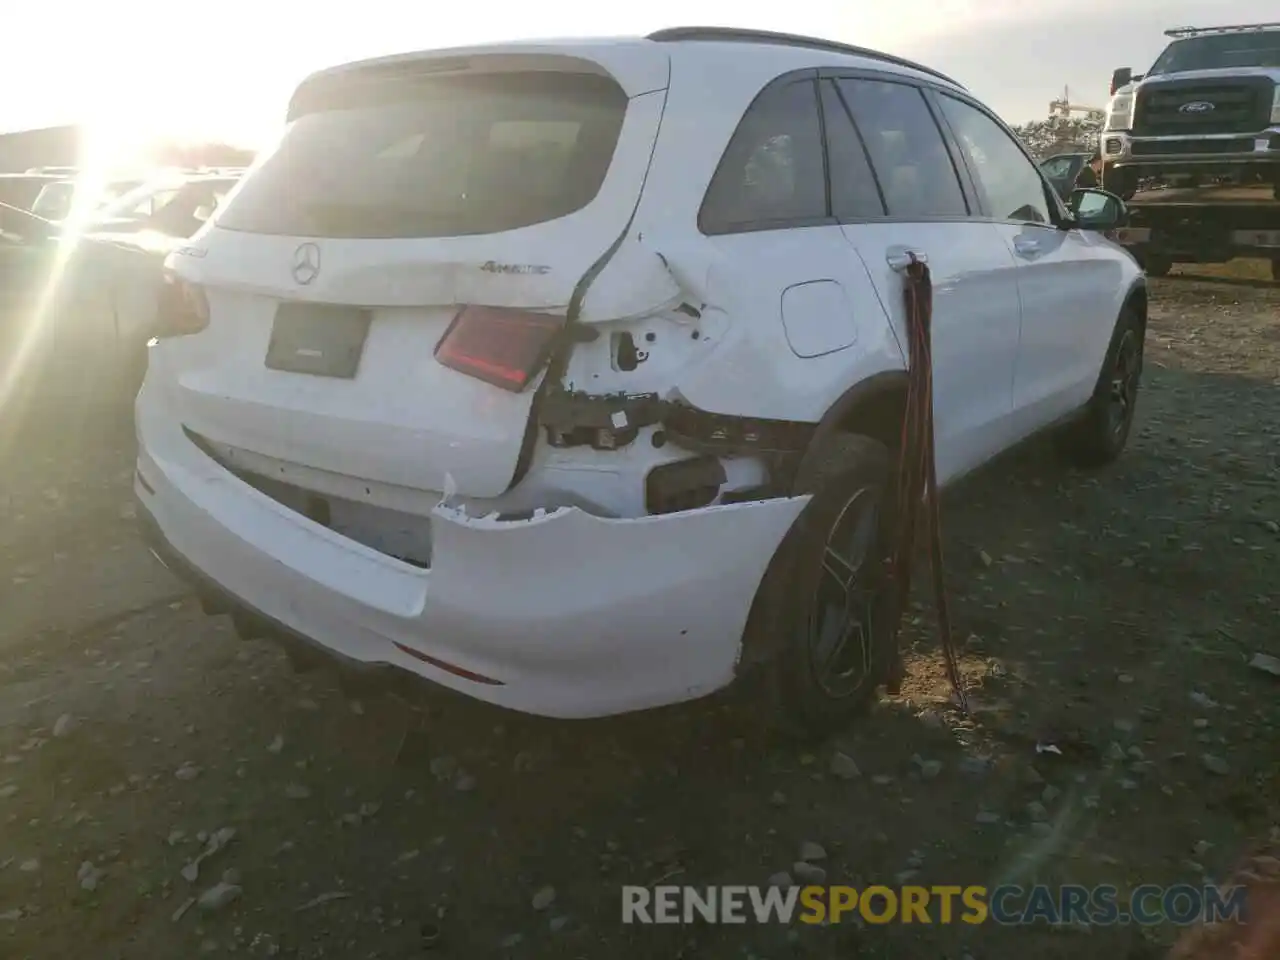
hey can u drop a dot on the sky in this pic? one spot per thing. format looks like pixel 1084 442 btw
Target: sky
pixel 145 68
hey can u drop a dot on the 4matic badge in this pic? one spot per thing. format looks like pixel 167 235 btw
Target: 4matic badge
pixel 520 269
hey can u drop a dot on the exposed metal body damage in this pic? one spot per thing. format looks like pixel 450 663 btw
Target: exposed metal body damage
pixel 616 382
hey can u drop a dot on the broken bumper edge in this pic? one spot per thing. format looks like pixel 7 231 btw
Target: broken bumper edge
pixel 564 615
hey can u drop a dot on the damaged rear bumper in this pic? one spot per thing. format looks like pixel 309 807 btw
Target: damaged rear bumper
pixel 565 614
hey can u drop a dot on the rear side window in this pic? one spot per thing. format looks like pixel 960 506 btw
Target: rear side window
pixel 854 192
pixel 436 157
pixel 771 174
pixel 908 153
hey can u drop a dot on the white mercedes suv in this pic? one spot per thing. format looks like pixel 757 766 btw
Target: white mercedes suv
pixel 568 375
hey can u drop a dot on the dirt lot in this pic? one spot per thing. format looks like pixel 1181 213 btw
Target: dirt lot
pixel 1112 614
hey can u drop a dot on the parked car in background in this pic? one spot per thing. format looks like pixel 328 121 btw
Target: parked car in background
pixel 494 374
pixel 56 200
pixel 1070 172
pixel 89 288
pixel 19 191
pixel 1064 171
pixel 171 205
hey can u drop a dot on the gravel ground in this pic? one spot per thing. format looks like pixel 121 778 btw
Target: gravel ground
pixel 1113 614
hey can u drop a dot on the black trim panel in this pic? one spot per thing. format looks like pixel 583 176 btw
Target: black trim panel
pixel 739 35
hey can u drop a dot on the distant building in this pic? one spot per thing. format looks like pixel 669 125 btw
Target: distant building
pixel 47 147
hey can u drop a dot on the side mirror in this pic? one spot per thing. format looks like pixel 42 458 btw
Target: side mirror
pixel 1097 210
pixel 1120 78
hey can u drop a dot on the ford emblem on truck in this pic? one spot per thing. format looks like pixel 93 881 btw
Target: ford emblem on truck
pixel 1196 106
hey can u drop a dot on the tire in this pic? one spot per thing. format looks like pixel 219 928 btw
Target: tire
pixel 1156 265
pixel 851 486
pixel 1099 437
pixel 1123 182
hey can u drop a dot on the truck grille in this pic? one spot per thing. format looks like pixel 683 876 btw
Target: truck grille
pixel 1239 106
pixel 1175 148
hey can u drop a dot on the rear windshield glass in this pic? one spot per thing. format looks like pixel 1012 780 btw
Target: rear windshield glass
pixel 435 157
pixel 1220 51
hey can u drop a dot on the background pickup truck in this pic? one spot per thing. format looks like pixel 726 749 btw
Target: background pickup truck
pixel 1208 111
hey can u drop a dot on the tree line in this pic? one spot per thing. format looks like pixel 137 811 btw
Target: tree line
pixel 1044 138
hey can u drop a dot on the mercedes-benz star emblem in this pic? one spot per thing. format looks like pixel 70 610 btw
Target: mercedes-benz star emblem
pixel 306 263
pixel 1196 106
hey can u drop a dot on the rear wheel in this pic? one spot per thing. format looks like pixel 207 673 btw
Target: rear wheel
pixel 1157 265
pixel 1123 182
pixel 1100 435
pixel 832 606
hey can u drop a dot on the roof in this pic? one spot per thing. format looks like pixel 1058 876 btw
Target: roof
pixel 639 64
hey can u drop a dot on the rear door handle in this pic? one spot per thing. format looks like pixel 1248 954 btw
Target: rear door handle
pixel 899 258
pixel 1026 246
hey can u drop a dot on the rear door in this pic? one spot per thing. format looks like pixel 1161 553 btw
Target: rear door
pixel 1066 287
pixel 399 195
pixel 783 259
pixel 923 205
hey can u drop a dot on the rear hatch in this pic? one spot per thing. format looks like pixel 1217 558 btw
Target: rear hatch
pixel 409 199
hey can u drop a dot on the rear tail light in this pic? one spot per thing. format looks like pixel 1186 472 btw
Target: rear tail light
pixel 182 308
pixel 506 348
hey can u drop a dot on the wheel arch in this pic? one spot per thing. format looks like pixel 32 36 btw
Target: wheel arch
pixel 872 407
pixel 1134 302
pixel 1137 301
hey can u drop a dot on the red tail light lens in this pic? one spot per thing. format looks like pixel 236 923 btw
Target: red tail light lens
pixel 182 308
pixel 506 348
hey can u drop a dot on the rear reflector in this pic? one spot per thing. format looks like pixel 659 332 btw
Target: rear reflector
pixel 448 667
pixel 506 348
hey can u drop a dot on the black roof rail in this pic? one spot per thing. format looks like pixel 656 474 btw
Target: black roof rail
pixel 740 35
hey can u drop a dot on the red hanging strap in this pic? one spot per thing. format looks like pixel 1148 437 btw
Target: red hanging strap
pixel 918 480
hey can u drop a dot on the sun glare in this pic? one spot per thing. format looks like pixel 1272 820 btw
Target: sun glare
pixel 110 148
